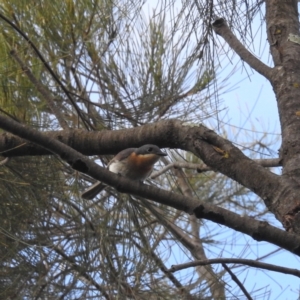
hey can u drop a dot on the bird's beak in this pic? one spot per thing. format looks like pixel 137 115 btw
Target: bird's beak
pixel 160 153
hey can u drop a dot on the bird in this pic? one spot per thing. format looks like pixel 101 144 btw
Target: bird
pixel 133 163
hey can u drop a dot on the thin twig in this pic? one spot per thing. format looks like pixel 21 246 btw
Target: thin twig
pixel 236 280
pixel 267 163
pixel 43 91
pixel 47 66
pixel 248 262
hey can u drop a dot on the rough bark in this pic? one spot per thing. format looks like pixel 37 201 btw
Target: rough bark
pixel 283 35
pixel 283 31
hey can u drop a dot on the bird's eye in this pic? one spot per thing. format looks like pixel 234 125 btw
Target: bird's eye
pixel 150 149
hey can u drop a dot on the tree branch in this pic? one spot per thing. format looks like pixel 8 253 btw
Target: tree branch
pixel 247 262
pixel 200 168
pixel 256 229
pixel 221 28
pixel 216 152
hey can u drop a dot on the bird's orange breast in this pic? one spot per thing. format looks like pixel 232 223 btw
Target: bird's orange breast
pixel 140 166
pixel 143 161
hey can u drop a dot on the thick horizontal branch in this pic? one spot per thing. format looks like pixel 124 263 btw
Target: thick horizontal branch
pixel 216 152
pixel 247 262
pixel 221 28
pixel 91 143
pixel 195 138
pixel 107 142
pixel 260 231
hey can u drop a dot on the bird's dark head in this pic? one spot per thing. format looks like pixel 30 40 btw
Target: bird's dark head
pixel 149 150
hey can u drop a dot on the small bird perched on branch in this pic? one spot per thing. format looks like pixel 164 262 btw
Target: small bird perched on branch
pixel 133 163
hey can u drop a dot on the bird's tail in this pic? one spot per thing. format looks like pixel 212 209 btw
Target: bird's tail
pixel 93 191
